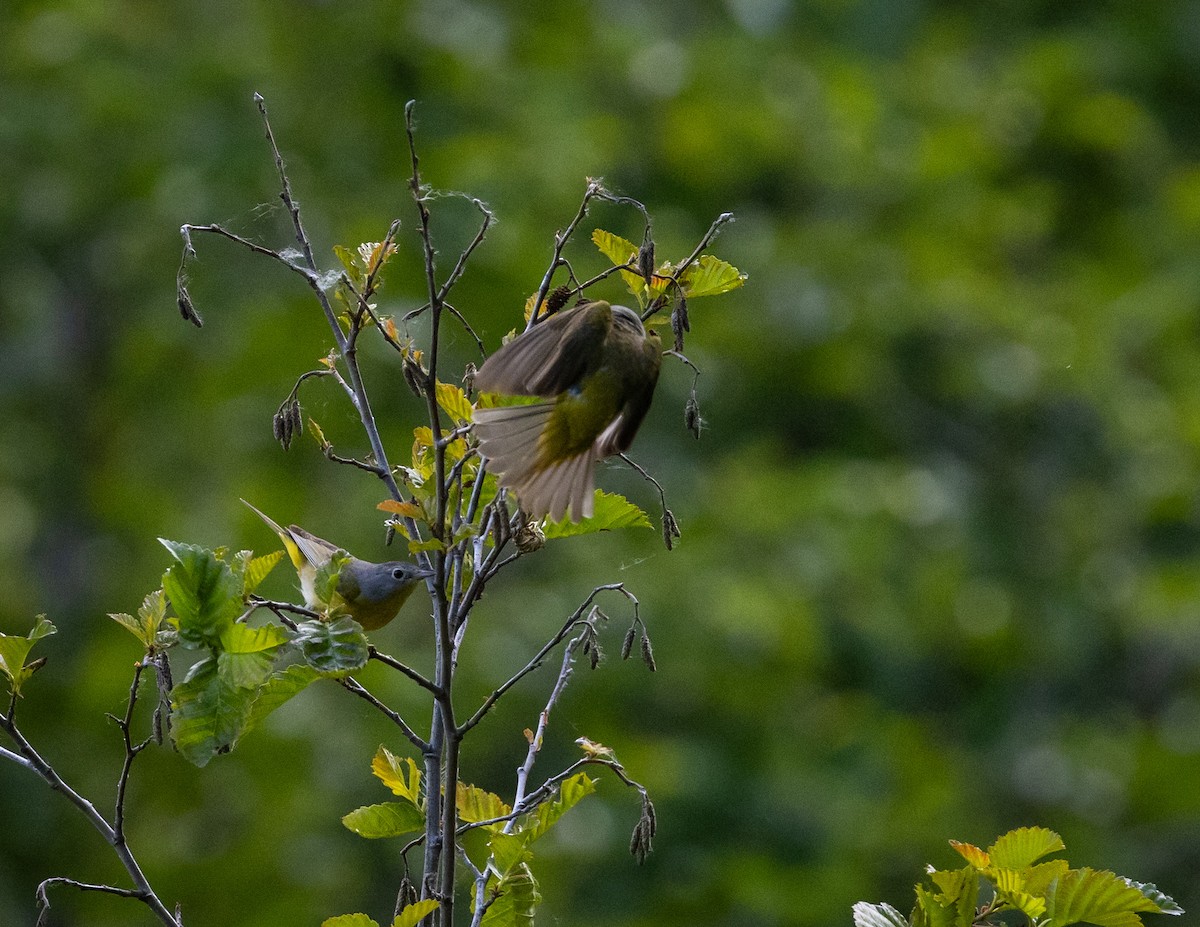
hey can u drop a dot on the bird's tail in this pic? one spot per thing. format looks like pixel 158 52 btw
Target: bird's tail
pixel 297 558
pixel 510 438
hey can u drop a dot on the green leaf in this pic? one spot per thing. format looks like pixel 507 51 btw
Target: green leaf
pixel 349 260
pixel 349 920
pixel 935 913
pixel 205 594
pixel 15 648
pixel 710 276
pixel 423 547
pixel 508 850
pixel 145 626
pixel 518 898
pixel 475 805
pixel 570 793
pixel 325 581
pixel 1099 898
pixel 454 401
pixel 256 569
pixel 387 768
pixel 209 712
pixel 277 690
pixel 617 249
pixel 1039 878
pixel 415 913
pixel 611 511
pixel 877 915
pixel 1010 887
pixel 1165 903
pixel 333 647
pixel 246 655
pixel 1023 847
pixel 958 888
pixel 389 819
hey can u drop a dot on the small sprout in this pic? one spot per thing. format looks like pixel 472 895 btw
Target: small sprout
pixel 680 322
pixel 557 299
pixel 596 751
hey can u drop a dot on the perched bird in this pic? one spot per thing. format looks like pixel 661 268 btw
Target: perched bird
pixel 598 366
pixel 370 593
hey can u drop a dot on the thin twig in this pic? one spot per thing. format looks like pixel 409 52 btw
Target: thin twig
pixel 538 658
pixel 395 664
pixel 350 684
pixel 713 230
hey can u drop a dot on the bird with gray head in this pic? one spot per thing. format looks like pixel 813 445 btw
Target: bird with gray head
pixel 370 593
pixel 598 365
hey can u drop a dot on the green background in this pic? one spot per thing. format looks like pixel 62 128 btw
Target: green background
pixel 939 566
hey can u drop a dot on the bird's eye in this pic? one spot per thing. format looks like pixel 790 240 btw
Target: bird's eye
pixel 398 573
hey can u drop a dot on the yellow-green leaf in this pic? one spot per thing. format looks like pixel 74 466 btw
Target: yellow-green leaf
pixel 258 568
pixel 611 511
pixel 454 401
pixel 710 276
pixel 349 920
pixel 617 249
pixel 389 819
pixel 415 913
pixel 1023 847
pixel 475 805
pixel 15 648
pixel 402 776
pixel 972 854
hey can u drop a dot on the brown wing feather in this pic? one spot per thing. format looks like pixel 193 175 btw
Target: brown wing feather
pixel 550 357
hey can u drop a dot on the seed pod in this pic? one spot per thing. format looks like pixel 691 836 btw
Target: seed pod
pixel 187 308
pixel 645 258
pixel 648 653
pixel 413 375
pixel 680 322
pixel 529 537
pixel 670 529
pixel 557 299
pixel 627 644
pixel 468 380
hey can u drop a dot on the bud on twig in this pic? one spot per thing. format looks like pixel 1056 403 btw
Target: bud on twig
pixel 468 380
pixel 643 833
pixel 187 308
pixel 648 652
pixel 414 375
pixel 529 536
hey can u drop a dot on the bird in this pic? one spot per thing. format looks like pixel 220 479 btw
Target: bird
pixel 370 593
pixel 598 366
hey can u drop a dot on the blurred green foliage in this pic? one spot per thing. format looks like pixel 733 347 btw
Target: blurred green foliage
pixel 939 565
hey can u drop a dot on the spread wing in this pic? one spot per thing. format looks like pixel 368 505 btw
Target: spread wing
pixel 551 357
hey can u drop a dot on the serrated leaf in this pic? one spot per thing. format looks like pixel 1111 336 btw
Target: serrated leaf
pixel 1010 886
pixel 517 900
pixel 325 580
pixel 877 915
pixel 1096 897
pixel 611 511
pixel 209 713
pixel 403 509
pixel 508 850
pixel 246 655
pixel 953 884
pixel 388 819
pixel 710 276
pixel 416 912
pixel 349 260
pixel 349 920
pixel 1165 903
pixel 1039 878
pixel 277 690
pixel 617 249
pixel 570 793
pixel 1023 847
pixel 454 401
pixel 935 913
pixel 15 648
pixel 475 805
pixel 972 854
pixel 203 591
pixel 333 647
pixel 257 569
pixel 145 626
pixel 390 770
pixel 422 547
